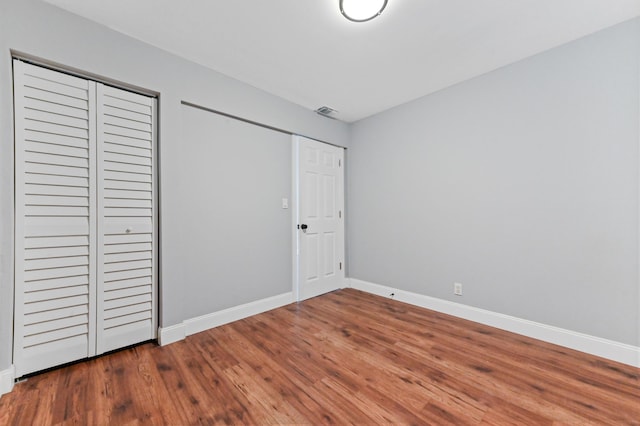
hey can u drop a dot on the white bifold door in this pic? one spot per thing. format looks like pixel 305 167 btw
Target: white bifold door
pixel 85 240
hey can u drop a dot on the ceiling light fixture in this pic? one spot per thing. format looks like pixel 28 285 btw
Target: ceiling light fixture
pixel 362 10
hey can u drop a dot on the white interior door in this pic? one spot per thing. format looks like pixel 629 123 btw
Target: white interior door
pixel 320 217
pixel 85 279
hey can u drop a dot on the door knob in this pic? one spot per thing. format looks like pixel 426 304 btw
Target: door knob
pixel 303 227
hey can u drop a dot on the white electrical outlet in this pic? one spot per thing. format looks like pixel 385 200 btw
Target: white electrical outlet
pixel 457 289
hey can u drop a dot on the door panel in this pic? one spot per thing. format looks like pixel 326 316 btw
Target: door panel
pixel 126 219
pixel 54 146
pixel 321 202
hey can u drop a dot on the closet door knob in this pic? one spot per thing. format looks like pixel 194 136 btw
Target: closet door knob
pixel 128 230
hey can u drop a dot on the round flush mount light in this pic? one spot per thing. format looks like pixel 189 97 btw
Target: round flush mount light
pixel 362 10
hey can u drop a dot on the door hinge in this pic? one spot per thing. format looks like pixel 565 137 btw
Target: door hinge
pixel 339 214
pixel 341 266
pixel 339 163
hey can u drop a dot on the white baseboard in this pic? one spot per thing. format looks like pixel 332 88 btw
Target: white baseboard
pixel 171 334
pixel 616 351
pixel 205 322
pixel 7 378
pixel 195 325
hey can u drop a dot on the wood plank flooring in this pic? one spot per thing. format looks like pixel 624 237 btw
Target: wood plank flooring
pixel 345 357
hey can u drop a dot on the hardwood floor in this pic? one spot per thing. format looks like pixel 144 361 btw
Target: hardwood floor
pixel 345 357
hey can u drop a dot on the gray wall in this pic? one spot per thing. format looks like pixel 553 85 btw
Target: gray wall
pixel 234 177
pixel 521 184
pixel 44 31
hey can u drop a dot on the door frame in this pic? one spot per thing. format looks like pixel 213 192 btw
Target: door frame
pixel 295 214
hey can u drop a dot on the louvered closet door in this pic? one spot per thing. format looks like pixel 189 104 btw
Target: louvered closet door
pixel 85 272
pixel 55 236
pixel 126 248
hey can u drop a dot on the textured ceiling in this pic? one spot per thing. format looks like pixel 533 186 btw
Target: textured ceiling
pixel 306 52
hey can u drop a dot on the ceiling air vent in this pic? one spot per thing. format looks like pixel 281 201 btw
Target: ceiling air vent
pixel 327 112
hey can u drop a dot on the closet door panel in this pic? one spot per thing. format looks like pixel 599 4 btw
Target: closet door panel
pixel 55 237
pixel 126 253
